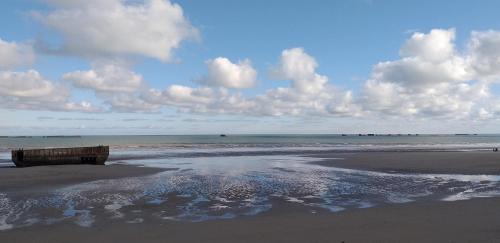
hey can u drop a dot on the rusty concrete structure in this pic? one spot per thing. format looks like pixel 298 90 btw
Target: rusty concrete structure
pixel 58 156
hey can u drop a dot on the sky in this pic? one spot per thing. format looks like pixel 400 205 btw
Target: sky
pixel 101 67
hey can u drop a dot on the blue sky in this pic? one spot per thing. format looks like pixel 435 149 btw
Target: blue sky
pixel 254 87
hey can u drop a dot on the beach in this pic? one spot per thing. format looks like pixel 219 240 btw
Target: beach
pixel 442 162
pixel 249 121
pixel 13 178
pixel 464 221
pixel 421 219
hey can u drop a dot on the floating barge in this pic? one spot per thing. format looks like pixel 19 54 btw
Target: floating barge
pixel 60 156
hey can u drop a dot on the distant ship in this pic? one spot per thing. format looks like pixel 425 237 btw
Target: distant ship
pixel 60 156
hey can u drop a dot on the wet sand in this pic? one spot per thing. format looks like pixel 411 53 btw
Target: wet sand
pixel 475 220
pixel 12 178
pixel 462 221
pixel 468 163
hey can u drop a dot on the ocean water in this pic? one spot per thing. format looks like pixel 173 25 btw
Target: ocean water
pixel 212 177
pixel 238 145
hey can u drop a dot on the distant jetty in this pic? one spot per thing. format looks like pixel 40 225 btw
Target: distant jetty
pixel 382 135
pixel 62 136
pixel 60 156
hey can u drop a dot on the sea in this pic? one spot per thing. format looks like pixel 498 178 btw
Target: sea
pixel 214 177
pixel 172 146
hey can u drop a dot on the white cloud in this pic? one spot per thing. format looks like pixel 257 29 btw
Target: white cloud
pixel 484 55
pixel 415 72
pixel 223 73
pixel 83 106
pixel 115 84
pixel 185 95
pixel 29 84
pixel 199 100
pixel 452 100
pixel 309 94
pixel 427 59
pixel 29 90
pixel 114 28
pixel 437 46
pixel 299 67
pixel 121 102
pixel 286 101
pixel 14 54
pixel 431 79
pixel 117 27
pixel 107 77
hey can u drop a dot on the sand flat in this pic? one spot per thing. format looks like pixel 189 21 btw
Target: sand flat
pixel 475 220
pixel 462 221
pixel 13 178
pixel 468 163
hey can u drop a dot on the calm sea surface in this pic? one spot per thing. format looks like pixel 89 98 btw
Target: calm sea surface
pixel 215 143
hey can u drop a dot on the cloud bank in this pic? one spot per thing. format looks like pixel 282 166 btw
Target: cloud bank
pixel 431 78
pixel 29 90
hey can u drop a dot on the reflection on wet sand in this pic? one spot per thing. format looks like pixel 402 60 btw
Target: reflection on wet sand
pixel 226 187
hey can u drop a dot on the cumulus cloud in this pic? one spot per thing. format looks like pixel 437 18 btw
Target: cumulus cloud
pixel 14 54
pixel 431 79
pixel 416 72
pixel 287 101
pixel 436 46
pixel 122 102
pixel 223 73
pixel 29 84
pixel 83 106
pixel 427 59
pixel 200 99
pixel 29 90
pixel 299 67
pixel 153 28
pixel 179 94
pixel 309 93
pixel 484 55
pixel 107 77
pixel 115 84
pixel 452 100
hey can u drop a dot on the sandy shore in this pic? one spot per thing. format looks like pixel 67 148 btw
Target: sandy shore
pixel 473 220
pixel 12 178
pixel 463 221
pixel 468 163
